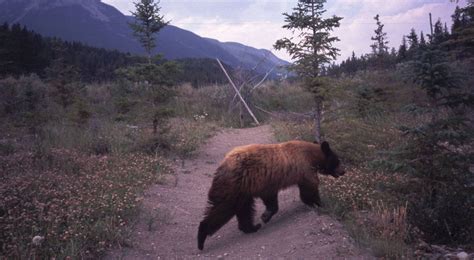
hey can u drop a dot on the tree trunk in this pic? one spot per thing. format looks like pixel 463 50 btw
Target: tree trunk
pixel 317 120
pixel 149 58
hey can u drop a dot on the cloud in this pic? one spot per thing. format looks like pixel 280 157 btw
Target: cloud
pixel 258 22
pixel 355 33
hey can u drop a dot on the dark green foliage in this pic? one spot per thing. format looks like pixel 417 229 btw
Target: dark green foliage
pixel 460 42
pixel 369 100
pixel 413 40
pixel 434 74
pixel 163 74
pixel 201 72
pixel 24 100
pixel 147 23
pixel 316 46
pixel 64 62
pixel 422 40
pixel 24 52
pixel 440 34
pixel 313 50
pixel 380 45
pixel 402 50
pixel 438 153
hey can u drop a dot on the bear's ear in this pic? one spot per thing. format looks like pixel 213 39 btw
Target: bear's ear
pixel 325 148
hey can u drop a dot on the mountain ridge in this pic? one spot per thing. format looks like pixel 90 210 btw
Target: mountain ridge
pixel 101 25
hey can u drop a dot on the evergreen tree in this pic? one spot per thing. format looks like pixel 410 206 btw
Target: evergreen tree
pixel 456 19
pixel 438 153
pixel 413 40
pixel 438 33
pixel 314 49
pixel 462 34
pixel 402 51
pixel 422 40
pixel 148 22
pixel 380 45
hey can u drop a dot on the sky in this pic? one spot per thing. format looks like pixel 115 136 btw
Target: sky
pixel 258 23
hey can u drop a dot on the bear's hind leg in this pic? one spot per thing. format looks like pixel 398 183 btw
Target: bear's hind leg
pixel 216 217
pixel 245 213
pixel 309 194
pixel 271 205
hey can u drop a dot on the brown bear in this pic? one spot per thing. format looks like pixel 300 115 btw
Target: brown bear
pixel 262 170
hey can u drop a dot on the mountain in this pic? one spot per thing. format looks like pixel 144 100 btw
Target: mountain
pixel 101 25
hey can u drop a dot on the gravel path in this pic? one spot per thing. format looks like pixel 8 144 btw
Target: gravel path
pixel 167 226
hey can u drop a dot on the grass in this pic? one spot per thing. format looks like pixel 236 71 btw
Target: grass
pixel 358 129
pixel 74 176
pixel 80 204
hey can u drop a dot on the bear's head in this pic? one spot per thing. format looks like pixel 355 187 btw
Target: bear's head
pixel 331 166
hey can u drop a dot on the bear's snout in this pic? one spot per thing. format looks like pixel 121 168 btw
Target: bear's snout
pixel 339 172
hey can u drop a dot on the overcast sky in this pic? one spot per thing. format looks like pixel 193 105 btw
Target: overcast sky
pixel 258 23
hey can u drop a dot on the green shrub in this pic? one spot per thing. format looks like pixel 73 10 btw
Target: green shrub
pixel 24 101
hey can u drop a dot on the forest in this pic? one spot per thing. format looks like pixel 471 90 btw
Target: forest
pixel 85 131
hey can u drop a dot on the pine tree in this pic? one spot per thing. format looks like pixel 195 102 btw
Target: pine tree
pixel 148 22
pixel 314 49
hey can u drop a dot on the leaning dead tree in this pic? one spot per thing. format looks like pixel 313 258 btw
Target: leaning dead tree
pixel 243 83
pixel 237 91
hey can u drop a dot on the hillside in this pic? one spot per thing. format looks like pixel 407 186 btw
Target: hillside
pixel 101 25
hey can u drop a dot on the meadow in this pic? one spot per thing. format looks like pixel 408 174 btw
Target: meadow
pixel 73 175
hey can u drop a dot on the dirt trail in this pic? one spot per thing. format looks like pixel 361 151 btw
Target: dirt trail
pixel 167 227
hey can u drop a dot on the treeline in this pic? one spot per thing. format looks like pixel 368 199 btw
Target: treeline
pixel 24 52
pixel 457 42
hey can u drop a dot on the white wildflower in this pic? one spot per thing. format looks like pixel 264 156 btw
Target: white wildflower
pixel 37 240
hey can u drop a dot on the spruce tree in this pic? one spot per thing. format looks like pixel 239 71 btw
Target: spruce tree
pixel 422 40
pixel 147 23
pixel 438 152
pixel 402 51
pixel 456 19
pixel 413 40
pixel 314 48
pixel 460 40
pixel 438 34
pixel 380 45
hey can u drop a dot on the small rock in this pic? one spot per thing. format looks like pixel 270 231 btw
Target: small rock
pixel 439 249
pixel 424 247
pixel 226 254
pixel 418 252
pixel 462 256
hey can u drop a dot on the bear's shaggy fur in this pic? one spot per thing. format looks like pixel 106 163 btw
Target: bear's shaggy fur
pixel 262 170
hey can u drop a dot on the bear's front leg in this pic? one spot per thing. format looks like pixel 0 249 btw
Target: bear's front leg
pixel 245 213
pixel 309 193
pixel 271 207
